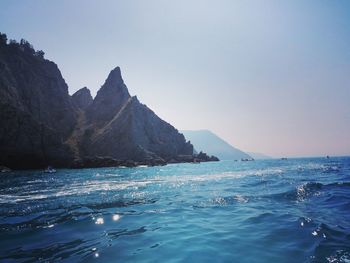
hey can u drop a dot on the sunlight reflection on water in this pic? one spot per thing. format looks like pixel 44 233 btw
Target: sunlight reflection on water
pixel 262 211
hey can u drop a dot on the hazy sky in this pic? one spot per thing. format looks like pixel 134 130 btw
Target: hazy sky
pixel 267 76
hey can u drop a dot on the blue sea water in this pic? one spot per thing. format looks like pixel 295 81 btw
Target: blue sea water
pixel 295 210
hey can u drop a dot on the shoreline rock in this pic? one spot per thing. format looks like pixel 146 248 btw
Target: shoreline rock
pixel 104 162
pixel 100 162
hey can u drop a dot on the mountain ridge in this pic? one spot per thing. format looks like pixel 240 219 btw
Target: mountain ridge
pixel 41 124
pixel 259 156
pixel 206 140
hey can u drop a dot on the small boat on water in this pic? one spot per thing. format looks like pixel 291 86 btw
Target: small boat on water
pixel 50 170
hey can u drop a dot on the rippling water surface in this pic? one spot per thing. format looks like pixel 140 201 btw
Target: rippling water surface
pixel 295 210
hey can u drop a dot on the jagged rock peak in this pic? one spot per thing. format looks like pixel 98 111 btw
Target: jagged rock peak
pixel 114 82
pixel 40 124
pixel 115 76
pixel 110 98
pixel 82 98
pixel 135 99
pixel 83 89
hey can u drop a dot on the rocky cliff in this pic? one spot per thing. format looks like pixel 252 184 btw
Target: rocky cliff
pixel 109 99
pixel 82 98
pixel 36 112
pixel 41 124
pixel 137 132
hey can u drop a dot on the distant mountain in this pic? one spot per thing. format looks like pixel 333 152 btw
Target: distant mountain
pixel 258 156
pixel 41 124
pixel 204 140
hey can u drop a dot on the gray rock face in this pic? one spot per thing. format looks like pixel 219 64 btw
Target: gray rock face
pixel 120 127
pixel 138 134
pixel 40 124
pixel 109 99
pixel 36 112
pixel 82 98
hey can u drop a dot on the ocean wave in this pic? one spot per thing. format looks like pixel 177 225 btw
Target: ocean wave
pixel 263 211
pixel 333 244
pixel 308 190
pixel 51 252
pixel 91 186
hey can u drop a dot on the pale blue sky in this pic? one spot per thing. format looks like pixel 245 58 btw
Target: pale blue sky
pixel 267 76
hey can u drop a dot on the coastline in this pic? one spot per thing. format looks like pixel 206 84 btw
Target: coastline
pixel 100 162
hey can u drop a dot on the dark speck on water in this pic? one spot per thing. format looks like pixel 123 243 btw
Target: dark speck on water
pixel 295 210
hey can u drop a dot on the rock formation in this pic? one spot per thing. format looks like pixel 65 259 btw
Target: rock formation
pixel 41 124
pixel 36 112
pixel 82 98
pixel 137 133
pixel 109 99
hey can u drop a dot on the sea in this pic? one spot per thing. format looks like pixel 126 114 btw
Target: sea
pixel 294 210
